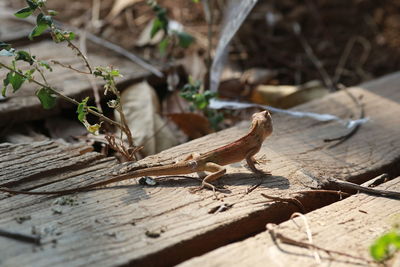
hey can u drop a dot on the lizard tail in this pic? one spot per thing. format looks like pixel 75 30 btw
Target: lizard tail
pixel 172 169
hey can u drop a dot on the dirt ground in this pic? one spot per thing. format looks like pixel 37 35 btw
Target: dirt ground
pixel 354 40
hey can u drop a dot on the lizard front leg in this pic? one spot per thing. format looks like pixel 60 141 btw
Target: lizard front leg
pixel 251 163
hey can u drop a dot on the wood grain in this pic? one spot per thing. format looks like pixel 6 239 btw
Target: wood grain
pixel 349 226
pixel 133 224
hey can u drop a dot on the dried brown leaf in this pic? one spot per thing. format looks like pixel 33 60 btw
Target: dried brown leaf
pixel 192 124
pixel 141 109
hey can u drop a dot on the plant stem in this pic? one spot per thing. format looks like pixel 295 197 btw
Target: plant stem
pixel 71 100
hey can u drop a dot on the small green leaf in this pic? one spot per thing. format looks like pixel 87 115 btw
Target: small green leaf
pixel 61 36
pixel 115 73
pixel 82 109
pixel 163 45
pixel 14 79
pixel 185 39
pixel 45 64
pixel 32 4
pixel 94 129
pixel 157 25
pixel 200 101
pixel 24 13
pixel 43 22
pixel 5 46
pixel 385 246
pixel 70 36
pixel 47 99
pixel 37 31
pixel 52 12
pixel 44 19
pixel 6 82
pixel 24 56
pixel 28 74
pixel 3 91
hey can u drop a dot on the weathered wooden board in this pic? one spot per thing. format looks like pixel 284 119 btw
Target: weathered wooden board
pixel 349 226
pixel 372 150
pixel 384 86
pixel 167 224
pixel 24 105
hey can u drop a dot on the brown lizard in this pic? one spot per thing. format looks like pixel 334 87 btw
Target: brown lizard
pixel 243 148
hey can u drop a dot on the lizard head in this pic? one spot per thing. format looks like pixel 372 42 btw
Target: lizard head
pixel 262 121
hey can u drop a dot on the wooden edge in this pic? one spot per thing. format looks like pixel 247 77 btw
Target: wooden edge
pixel 349 226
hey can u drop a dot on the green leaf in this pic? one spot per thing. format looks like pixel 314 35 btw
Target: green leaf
pixel 28 74
pixel 185 39
pixel 70 36
pixel 46 97
pixel 24 13
pixel 157 25
pixel 52 12
pixel 45 64
pixel 37 31
pixel 115 73
pixel 24 56
pixel 43 22
pixel 5 46
pixel 163 45
pixel 44 19
pixel 82 109
pixel 61 36
pixel 6 82
pixel 385 246
pixel 94 129
pixel 200 101
pixel 14 79
pixel 32 4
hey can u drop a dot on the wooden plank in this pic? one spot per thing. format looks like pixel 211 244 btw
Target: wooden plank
pixel 349 226
pixel 384 86
pixel 24 105
pixel 367 154
pixel 35 164
pixel 166 224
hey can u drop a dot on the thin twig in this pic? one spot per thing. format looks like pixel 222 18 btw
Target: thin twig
pixel 316 191
pixel 69 67
pixel 66 98
pixel 70 44
pixel 104 43
pixel 362 189
pixel 286 240
pixel 80 54
pixel 95 88
pixel 314 59
pixel 354 130
pixel 21 237
pixel 294 201
pixel 308 232
pixel 346 53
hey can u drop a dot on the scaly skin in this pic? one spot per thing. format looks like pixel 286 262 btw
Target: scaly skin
pixel 243 148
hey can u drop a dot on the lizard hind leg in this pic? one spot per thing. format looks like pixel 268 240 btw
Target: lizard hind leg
pixel 217 172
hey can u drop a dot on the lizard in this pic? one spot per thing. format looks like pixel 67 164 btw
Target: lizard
pixel 213 161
